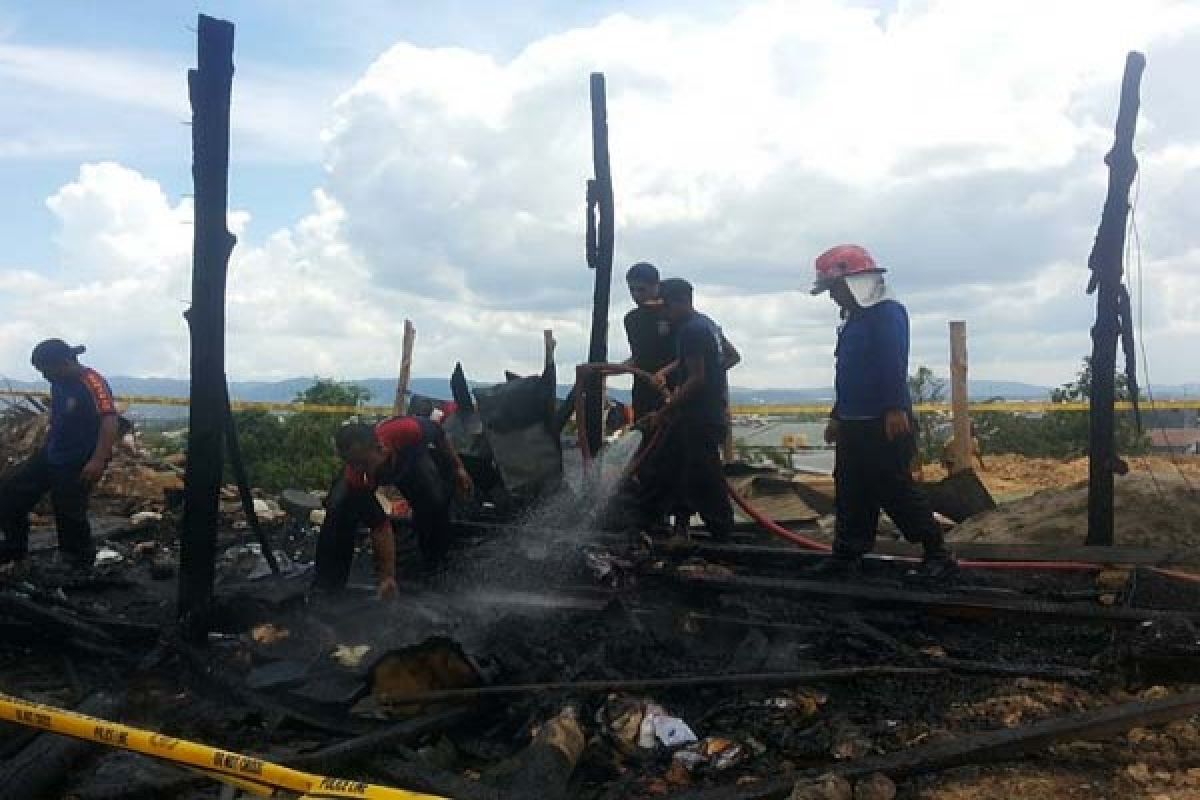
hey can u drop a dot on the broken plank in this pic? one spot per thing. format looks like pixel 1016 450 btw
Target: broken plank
pixel 331 757
pixel 981 748
pixel 974 551
pixel 694 681
pixel 945 603
pixel 38 769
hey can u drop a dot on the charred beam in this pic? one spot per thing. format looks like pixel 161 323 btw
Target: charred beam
pixel 943 603
pixel 209 87
pixel 601 236
pixel 1106 263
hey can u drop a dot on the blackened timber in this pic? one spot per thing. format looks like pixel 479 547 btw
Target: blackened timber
pixel 600 197
pixel 945 603
pixel 209 88
pixel 661 684
pixel 1106 265
pixel 981 748
pixel 243 484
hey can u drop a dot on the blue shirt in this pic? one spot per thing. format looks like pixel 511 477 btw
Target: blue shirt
pixel 77 405
pixel 872 362
pixel 700 336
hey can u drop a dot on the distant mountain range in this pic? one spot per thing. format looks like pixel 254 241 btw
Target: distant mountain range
pixel 382 390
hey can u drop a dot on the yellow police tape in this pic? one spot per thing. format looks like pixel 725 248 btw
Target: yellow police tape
pixel 244 772
pixel 742 409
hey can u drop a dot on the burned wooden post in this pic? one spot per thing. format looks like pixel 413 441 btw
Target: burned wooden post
pixel 600 238
pixel 1106 264
pixel 400 405
pixel 209 87
pixel 959 397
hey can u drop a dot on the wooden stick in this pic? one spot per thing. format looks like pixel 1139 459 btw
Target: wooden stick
pixel 958 397
pixel 400 405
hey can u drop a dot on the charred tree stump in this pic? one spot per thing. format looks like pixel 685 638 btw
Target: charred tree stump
pixel 209 87
pixel 1107 267
pixel 600 240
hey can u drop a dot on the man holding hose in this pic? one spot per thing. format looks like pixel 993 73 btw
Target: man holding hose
pixel 693 419
pixel 872 422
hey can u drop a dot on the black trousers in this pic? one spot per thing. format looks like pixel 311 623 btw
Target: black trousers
pixel 427 485
pixel 685 474
pixel 69 497
pixel 872 474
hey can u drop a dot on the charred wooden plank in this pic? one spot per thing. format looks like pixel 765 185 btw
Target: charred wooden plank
pixel 981 748
pixel 692 681
pixel 945 603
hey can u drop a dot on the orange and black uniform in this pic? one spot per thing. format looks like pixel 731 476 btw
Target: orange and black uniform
pixel 418 468
pixel 77 407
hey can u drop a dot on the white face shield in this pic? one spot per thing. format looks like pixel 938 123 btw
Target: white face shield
pixel 868 288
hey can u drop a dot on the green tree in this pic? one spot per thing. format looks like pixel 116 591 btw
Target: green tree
pixel 296 449
pixel 926 387
pixel 1060 434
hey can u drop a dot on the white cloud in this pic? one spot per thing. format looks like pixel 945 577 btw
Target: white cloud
pixel 109 100
pixel 962 142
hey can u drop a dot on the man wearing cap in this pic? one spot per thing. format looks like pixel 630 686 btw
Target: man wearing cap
pixel 414 455
pixel 83 430
pixel 872 423
pixel 694 417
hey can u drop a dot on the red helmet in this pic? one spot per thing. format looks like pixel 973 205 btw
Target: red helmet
pixel 838 262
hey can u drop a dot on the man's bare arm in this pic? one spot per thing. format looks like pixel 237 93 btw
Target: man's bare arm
pixel 93 470
pixel 730 355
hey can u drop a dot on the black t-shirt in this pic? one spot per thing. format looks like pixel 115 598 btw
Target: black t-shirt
pixel 652 345
pixel 700 336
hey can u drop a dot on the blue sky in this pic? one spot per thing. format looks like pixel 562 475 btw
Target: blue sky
pixel 396 159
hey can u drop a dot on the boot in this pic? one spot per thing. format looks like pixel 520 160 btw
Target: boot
pixel 834 567
pixel 938 566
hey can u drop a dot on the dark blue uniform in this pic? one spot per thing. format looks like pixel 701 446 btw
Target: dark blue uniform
pixel 77 407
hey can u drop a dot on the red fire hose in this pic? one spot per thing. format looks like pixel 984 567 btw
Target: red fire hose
pixel 773 527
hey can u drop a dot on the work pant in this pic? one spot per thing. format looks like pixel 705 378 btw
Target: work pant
pixel 69 497
pixel 427 487
pixel 870 473
pixel 685 474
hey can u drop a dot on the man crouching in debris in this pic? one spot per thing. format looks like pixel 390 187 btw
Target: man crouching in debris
pixel 693 419
pixel 83 429
pixel 410 453
pixel 872 422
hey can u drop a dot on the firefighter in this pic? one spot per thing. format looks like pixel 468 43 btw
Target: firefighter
pixel 414 455
pixel 872 422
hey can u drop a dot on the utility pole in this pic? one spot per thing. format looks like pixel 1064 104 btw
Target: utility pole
pixel 209 88
pixel 960 412
pixel 1106 264
pixel 600 238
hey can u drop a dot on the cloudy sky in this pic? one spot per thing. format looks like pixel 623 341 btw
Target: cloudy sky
pixel 428 161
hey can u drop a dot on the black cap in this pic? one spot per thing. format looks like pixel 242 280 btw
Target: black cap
pixel 54 351
pixel 643 272
pixel 675 290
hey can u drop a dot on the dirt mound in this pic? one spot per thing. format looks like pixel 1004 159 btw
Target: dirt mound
pixel 1008 476
pixel 1152 510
